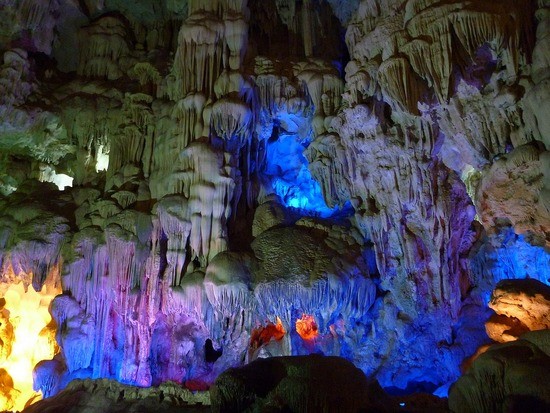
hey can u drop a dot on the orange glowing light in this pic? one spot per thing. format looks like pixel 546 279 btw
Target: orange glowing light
pixel 27 338
pixel 264 335
pixel 306 327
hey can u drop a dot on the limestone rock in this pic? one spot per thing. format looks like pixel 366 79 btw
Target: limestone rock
pixel 299 384
pixel 6 332
pixel 502 328
pixel 104 45
pixel 507 377
pixel 107 396
pixel 507 255
pixel 75 332
pixel 536 99
pixel 300 257
pixel 268 215
pixel 526 300
pixel 524 200
pixel 33 234
pixel 305 274
pixel 180 122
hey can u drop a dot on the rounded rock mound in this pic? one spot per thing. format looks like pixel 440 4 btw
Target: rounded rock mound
pixel 311 383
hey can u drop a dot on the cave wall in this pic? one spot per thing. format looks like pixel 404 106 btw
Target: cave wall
pixel 235 165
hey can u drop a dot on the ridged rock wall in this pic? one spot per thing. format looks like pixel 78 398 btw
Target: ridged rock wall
pixel 434 131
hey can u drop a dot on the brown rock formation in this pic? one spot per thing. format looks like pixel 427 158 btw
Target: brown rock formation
pixel 527 301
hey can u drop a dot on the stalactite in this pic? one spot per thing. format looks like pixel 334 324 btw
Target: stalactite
pixel 40 19
pixel 325 89
pixel 217 6
pixel 364 229
pixel 236 36
pixel 75 334
pixel 188 113
pixel 399 84
pixel 231 119
pixel 198 61
pixel 277 94
pixel 135 129
pixel 233 83
pixel 209 190
pixel 321 153
pixel 104 46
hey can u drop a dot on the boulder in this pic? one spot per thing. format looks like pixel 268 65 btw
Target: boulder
pixel 509 377
pixel 311 383
pixel 521 305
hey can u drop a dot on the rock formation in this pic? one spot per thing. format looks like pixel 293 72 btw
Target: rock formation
pixel 298 384
pixel 508 377
pixel 519 306
pixel 108 397
pixel 353 177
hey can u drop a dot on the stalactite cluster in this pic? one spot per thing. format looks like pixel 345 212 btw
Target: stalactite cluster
pixel 260 178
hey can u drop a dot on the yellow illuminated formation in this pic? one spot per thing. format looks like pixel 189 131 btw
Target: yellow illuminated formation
pixel 27 337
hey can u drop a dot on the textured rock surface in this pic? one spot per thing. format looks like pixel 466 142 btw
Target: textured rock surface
pixel 105 396
pixel 516 187
pixel 502 328
pixel 298 384
pixel 508 377
pixel 525 303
